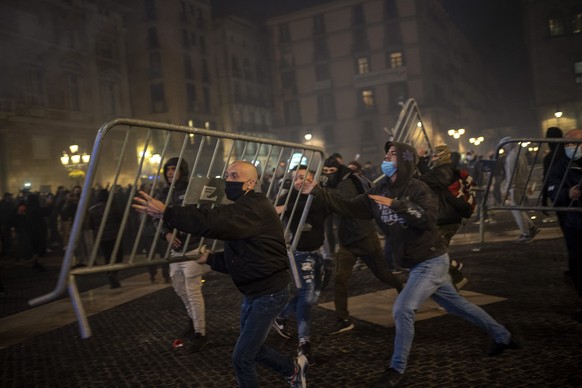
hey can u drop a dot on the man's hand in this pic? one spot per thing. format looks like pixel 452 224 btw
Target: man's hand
pixel 173 240
pixel 199 255
pixel 148 205
pixel 381 199
pixel 308 186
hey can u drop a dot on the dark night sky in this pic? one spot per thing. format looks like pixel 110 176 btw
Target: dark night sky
pixel 493 26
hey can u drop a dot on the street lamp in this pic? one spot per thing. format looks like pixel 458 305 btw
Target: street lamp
pixel 456 134
pixel 476 140
pixel 75 161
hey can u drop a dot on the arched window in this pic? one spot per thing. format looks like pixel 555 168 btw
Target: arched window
pixel 555 24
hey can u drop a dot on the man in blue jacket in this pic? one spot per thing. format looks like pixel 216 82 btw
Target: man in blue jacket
pixel 254 255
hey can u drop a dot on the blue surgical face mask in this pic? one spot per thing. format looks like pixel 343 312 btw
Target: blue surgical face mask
pixel 570 152
pixel 389 168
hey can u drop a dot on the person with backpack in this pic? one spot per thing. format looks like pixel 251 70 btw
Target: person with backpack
pixel 357 238
pixel 452 208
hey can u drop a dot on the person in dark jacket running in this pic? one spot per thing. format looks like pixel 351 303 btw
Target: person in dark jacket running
pixel 406 210
pixel 357 238
pixel 254 255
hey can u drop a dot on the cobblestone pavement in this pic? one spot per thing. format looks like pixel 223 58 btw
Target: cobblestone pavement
pixel 131 343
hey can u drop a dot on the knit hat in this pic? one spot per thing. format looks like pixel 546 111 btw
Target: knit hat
pixel 332 162
pixel 441 155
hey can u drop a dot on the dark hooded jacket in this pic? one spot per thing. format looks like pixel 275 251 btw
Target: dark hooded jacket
pixel 344 184
pixel 177 195
pixel 410 223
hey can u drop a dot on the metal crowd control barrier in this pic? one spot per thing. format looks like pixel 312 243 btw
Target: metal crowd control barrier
pixel 410 129
pixel 524 190
pixel 131 153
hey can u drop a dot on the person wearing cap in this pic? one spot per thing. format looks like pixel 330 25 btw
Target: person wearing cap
pixel 405 208
pixel 449 218
pixel 514 188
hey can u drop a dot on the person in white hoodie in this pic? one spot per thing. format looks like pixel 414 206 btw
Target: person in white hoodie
pixel 514 189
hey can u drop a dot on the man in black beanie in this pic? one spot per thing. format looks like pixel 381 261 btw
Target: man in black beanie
pixel 357 238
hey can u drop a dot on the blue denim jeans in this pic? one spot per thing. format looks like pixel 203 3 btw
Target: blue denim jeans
pixel 431 279
pixel 256 316
pixel 310 268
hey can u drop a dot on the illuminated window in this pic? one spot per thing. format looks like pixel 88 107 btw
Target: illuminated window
pixel 363 65
pixel 555 25
pixel 368 99
pixel 396 60
pixel 577 23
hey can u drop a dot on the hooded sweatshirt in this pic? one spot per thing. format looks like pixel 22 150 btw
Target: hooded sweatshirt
pixel 177 197
pixel 410 223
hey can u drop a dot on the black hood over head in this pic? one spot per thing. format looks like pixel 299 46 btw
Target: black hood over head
pixel 184 171
pixel 407 160
pixel 334 179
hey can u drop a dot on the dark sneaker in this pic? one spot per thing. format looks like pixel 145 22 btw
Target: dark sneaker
pixel 114 283
pixel 534 230
pixel 189 330
pixel 390 378
pixel 496 348
pixel 298 379
pixel 342 326
pixel 523 239
pixel 305 349
pixel 279 324
pixel 199 343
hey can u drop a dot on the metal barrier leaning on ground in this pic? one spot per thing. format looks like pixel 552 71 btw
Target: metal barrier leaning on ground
pixel 529 201
pixel 124 154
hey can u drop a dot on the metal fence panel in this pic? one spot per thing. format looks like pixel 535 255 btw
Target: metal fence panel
pixel 128 155
pixel 526 185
